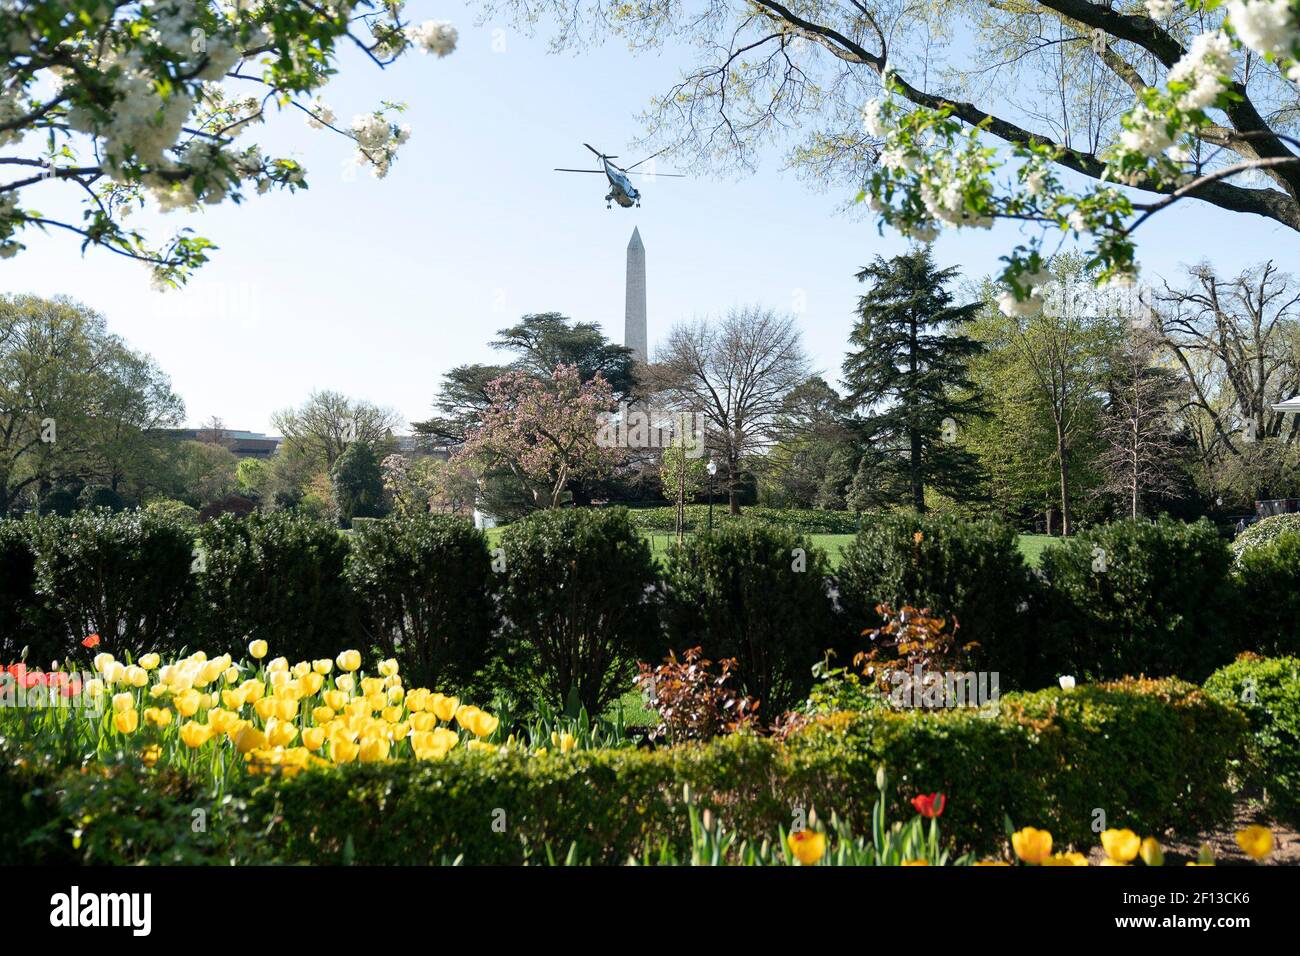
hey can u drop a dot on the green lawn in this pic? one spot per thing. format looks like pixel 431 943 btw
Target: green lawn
pixel 1031 545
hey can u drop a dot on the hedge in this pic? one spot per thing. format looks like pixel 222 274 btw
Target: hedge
pixel 756 594
pixel 808 521
pixel 1268 692
pixel 577 606
pixel 1263 532
pixel 425 587
pixel 277 577
pixel 24 622
pixel 1268 604
pixel 1153 755
pixel 1140 597
pixel 123 576
pixel 969 570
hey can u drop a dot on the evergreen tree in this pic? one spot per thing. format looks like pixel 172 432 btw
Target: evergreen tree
pixel 358 483
pixel 907 379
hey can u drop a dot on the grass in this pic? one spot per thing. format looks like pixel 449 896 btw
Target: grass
pixel 1031 545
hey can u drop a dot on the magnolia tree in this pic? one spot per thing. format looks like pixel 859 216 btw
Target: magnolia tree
pixel 1075 118
pixel 545 431
pixel 128 104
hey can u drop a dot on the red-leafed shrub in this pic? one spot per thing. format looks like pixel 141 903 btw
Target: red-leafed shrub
pixel 693 700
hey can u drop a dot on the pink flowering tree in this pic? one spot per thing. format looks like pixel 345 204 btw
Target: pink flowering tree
pixel 545 431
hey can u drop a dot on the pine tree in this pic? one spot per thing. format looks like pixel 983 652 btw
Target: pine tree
pixel 907 378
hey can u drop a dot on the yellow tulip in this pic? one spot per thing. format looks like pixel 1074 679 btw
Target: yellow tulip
pixel 313 738
pixel 417 700
pixel 286 709
pixel 114 672
pixel 563 742
pixel 265 708
pixel 1031 845
pixel 482 745
pixel 349 661
pixel 195 735
pixel 1256 841
pixel 335 699
pixel 257 650
pixel 158 716
pixel 388 668
pixel 392 714
pixel 444 708
pixel 250 739
pixel 301 669
pixel 322 715
pixel 1152 852
pixel 278 666
pixel 187 703
pixel 346 683
pixel 137 676
pixel 1066 859
pixel 807 846
pixel 371 686
pixel 280 733
pixel 123 702
pixel 253 690
pixel 101 661
pixel 311 683
pixel 233 699
pixel 373 749
pixel 150 661
pixel 230 674
pixel 1122 846
pixel 484 724
pixel 150 754
pixel 126 721
pixel 323 666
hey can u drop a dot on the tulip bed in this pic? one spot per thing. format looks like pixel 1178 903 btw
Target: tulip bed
pixel 323 762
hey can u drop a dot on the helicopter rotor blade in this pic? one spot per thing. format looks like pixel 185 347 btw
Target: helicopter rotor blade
pixel 599 172
pixel 647 159
pixel 659 175
pixel 598 152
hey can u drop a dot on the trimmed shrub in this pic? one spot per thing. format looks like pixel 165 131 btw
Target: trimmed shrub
pixel 1140 597
pixel 424 586
pixel 1267 691
pixel 969 570
pixel 1268 600
pixel 24 618
pixel 100 496
pixel 807 520
pixel 277 577
pixel 756 594
pixel 171 509
pixel 1154 754
pixel 123 576
pixel 577 606
pixel 1263 532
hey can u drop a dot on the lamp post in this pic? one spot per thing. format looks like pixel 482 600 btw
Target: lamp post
pixel 713 470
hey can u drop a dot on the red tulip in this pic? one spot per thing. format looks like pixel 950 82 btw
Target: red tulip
pixel 91 641
pixel 929 805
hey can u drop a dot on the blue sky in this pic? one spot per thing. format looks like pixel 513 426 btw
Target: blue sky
pixel 376 287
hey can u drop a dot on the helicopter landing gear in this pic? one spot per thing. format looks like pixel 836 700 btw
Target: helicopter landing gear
pixel 608 206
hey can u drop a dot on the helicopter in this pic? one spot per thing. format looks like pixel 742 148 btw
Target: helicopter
pixel 621 190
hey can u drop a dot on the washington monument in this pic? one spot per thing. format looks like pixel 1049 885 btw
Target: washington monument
pixel 634 322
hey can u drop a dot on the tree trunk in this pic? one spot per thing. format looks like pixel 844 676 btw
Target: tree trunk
pixel 1065 482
